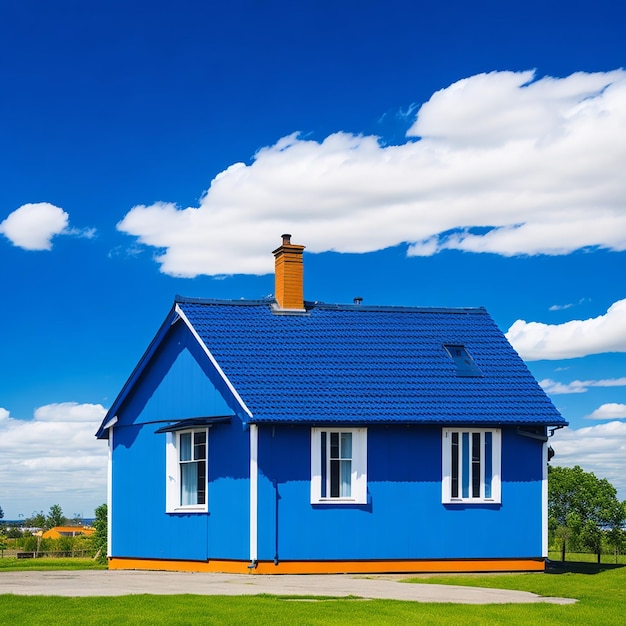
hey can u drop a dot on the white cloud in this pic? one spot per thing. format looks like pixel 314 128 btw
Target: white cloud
pixel 608 411
pixel 70 412
pixel 553 387
pixel 599 449
pixel 606 333
pixel 53 458
pixel 33 226
pixel 503 164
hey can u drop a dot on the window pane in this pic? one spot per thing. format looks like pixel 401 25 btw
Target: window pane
pixel 346 445
pixel 185 447
pixel 346 479
pixel 466 464
pixel 334 477
pixel 199 445
pixel 334 445
pixel 475 465
pixel 188 483
pixel 488 464
pixel 201 499
pixel 455 466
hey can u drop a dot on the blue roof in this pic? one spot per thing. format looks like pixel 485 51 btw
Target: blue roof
pixel 361 364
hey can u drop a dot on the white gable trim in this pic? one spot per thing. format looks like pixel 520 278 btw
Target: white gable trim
pixel 182 315
pixel 110 423
pixel 110 495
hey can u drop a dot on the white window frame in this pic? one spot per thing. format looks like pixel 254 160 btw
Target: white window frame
pixel 173 474
pixel 447 463
pixel 358 475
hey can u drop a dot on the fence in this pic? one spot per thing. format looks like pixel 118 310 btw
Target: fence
pixel 24 554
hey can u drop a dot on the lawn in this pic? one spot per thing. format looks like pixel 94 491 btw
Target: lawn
pixel 13 564
pixel 601 595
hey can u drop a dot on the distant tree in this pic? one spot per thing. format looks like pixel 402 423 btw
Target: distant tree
pixel 3 544
pixel 14 533
pixel 1 513
pixel 101 535
pixel 36 520
pixel 55 517
pixel 582 507
pixel 77 520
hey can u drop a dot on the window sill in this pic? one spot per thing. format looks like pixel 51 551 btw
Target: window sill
pixel 336 501
pixel 189 509
pixel 471 501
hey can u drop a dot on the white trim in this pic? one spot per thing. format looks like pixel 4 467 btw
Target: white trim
pixel 544 501
pixel 446 467
pixel 172 476
pixel 171 473
pixel 213 361
pixel 110 423
pixel 254 490
pixel 359 466
pixel 110 494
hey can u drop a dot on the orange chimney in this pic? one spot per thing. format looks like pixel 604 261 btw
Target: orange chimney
pixel 289 290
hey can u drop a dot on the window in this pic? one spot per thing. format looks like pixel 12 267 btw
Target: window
pixel 465 365
pixel 339 465
pixel 471 465
pixel 186 461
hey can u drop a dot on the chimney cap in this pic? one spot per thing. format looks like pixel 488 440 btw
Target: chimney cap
pixel 286 239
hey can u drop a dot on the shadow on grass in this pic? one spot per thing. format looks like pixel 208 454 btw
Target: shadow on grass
pixel 579 567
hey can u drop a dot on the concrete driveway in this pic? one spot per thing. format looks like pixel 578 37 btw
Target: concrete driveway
pixel 127 582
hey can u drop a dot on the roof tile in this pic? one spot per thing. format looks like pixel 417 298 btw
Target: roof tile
pixel 357 364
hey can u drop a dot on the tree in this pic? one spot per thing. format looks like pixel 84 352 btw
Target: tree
pixel 1 513
pixel 101 535
pixel 36 520
pixel 55 517
pixel 616 535
pixel 582 506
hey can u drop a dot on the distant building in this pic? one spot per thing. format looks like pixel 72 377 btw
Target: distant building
pixel 66 531
pixel 291 436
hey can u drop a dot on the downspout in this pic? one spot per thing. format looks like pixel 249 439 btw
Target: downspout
pixel 544 501
pixel 254 495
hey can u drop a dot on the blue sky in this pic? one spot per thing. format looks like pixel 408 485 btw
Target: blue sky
pixel 426 153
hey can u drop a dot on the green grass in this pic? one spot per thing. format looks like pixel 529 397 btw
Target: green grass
pixel 601 595
pixel 14 564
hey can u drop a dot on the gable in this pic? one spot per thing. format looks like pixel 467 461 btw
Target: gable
pixel 175 380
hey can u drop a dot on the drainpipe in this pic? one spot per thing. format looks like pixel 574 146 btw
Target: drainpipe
pixel 254 495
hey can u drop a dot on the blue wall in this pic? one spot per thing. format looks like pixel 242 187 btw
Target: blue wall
pixel 178 383
pixel 404 517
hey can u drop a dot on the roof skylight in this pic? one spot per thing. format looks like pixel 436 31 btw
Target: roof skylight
pixel 465 365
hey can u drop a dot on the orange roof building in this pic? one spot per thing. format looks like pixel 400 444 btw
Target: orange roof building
pixel 67 531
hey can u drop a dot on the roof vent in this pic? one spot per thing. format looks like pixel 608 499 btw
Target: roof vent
pixel 358 300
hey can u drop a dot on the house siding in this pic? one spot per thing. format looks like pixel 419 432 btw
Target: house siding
pixel 404 517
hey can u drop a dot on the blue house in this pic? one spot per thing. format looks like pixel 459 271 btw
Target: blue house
pixel 290 436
